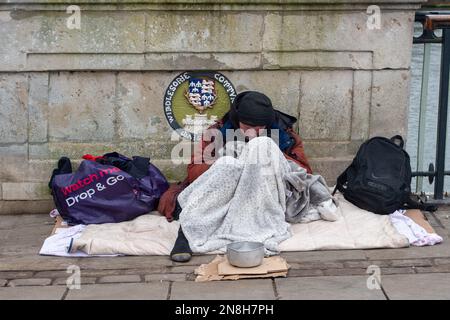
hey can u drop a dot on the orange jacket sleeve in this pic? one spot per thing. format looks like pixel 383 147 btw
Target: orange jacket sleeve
pixel 198 165
pixel 297 153
pixel 196 170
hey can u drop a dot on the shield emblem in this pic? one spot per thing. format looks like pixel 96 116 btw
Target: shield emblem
pixel 201 93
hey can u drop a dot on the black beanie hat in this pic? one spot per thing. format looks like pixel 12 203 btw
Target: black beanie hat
pixel 254 108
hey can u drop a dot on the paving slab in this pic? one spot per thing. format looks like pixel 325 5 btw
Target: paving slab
pixel 35 262
pixel 436 251
pixel 8 222
pixel 32 293
pixel 29 282
pixel 257 289
pixel 166 277
pixel 443 218
pixel 156 263
pixel 432 286
pixel 120 279
pixel 325 255
pixel 327 288
pixel 126 291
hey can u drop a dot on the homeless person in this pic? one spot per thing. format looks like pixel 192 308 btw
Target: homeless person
pixel 253 181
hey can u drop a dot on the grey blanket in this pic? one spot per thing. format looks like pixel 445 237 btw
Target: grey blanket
pixel 243 197
pixel 307 197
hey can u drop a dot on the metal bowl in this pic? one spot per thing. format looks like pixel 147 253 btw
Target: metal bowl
pixel 245 254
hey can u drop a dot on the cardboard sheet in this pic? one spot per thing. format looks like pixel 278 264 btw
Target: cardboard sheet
pixel 418 217
pixel 271 267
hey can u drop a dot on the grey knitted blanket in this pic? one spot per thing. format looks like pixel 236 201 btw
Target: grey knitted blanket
pixel 241 197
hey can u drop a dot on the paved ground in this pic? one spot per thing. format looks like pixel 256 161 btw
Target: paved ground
pixel 410 273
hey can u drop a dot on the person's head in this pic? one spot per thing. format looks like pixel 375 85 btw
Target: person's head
pixel 252 111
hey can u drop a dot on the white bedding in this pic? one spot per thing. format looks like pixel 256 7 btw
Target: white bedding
pixel 152 235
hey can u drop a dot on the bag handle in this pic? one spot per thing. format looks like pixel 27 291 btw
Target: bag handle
pixel 398 140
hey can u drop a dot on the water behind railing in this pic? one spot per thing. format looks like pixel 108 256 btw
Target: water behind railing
pixel 431 113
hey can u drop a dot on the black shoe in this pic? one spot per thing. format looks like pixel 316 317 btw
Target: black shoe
pixel 181 251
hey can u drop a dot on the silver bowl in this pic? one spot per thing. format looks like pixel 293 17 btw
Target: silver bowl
pixel 245 254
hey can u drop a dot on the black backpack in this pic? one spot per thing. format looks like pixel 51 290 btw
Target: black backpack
pixel 379 178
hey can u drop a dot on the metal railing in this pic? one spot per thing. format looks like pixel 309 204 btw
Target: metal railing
pixel 432 21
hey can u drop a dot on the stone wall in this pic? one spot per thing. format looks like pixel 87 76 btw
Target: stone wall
pixel 100 88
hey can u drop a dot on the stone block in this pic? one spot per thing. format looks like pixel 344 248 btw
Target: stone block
pixel 202 61
pixel 327 149
pixel 26 207
pixel 330 168
pixel 87 61
pixel 305 273
pixel 38 107
pixel 25 191
pixel 81 106
pixel 362 82
pixel 140 105
pixel 120 279
pixel 112 32
pixel 282 87
pixel 15 162
pixel 389 109
pixel 29 282
pixel 317 59
pixel 338 31
pixel 63 281
pixel 326 105
pixel 165 277
pixel 19 169
pixel 15 41
pixel 196 31
pixel 13 108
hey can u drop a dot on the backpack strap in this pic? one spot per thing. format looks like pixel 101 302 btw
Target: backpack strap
pixel 412 204
pixel 340 182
